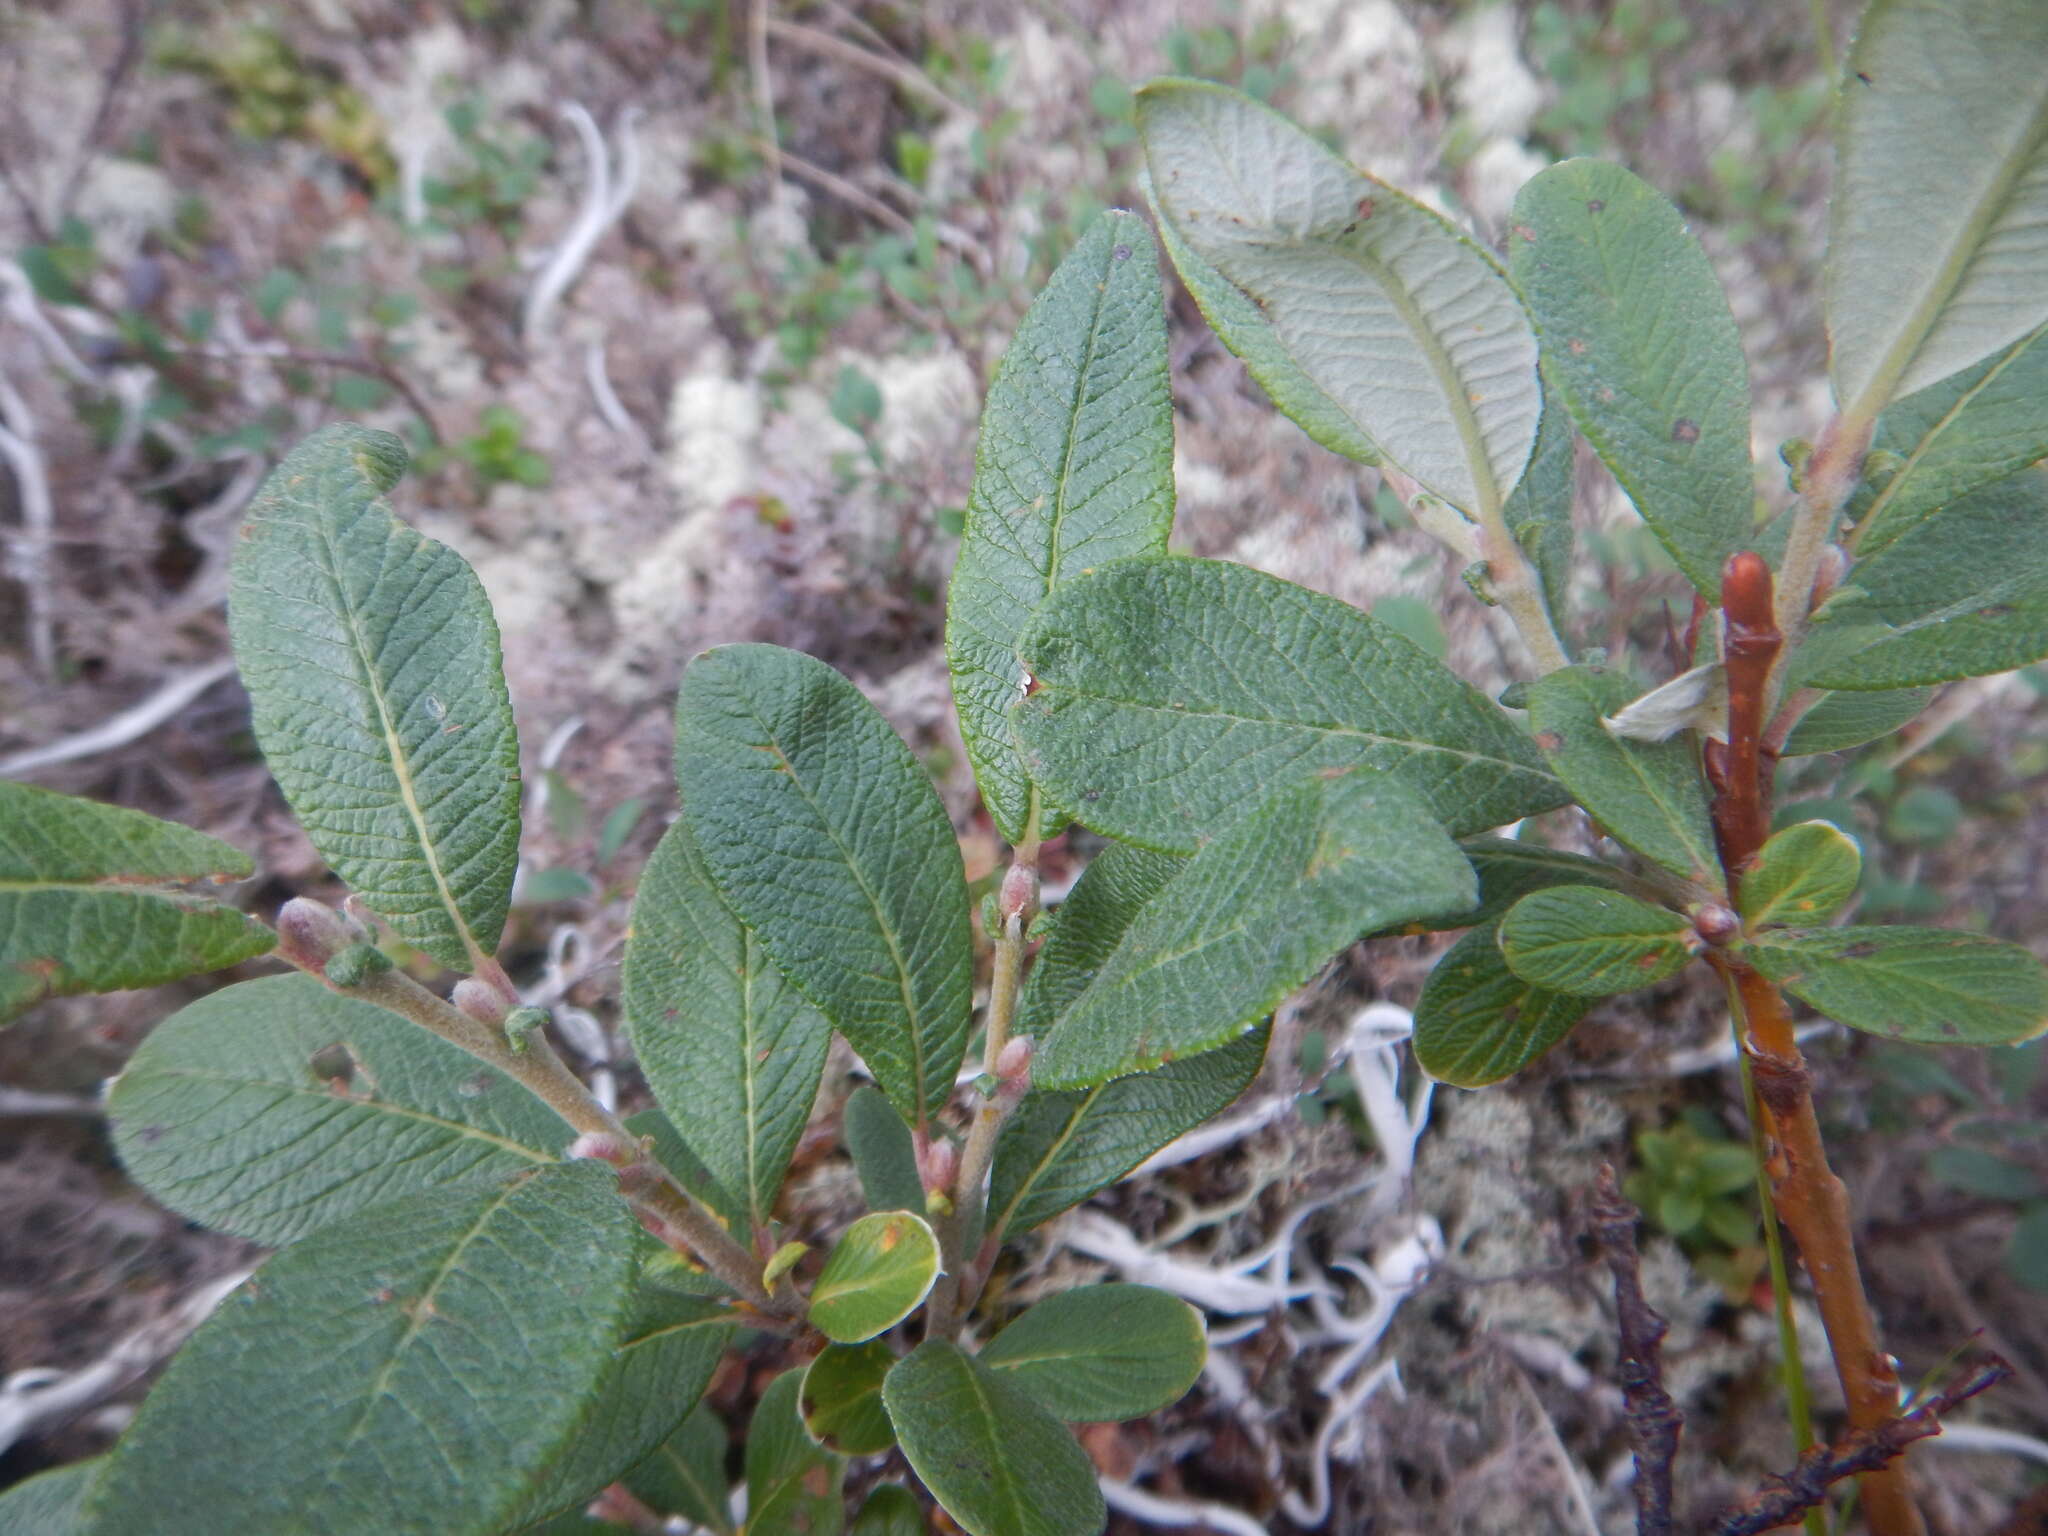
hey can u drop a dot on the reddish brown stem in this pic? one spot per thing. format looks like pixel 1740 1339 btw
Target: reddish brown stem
pixel 1810 1200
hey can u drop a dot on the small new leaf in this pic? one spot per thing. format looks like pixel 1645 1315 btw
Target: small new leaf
pixel 1477 1022
pixel 881 1269
pixel 883 1151
pixel 89 900
pixel 1592 943
pixel 379 699
pixel 1926 984
pixel 1805 874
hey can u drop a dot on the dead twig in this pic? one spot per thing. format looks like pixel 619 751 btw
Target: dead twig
pixel 1654 1421
pixel 1785 1498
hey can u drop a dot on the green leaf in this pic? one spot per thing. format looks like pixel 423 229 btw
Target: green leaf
pixel 881 1268
pixel 1974 427
pixel 273 1108
pixel 1539 513
pixel 1965 594
pixel 1983 1174
pixel 88 900
pixel 1592 943
pixel 1102 1352
pixel 792 1482
pixel 1844 720
pixel 999 1463
pixel 1251 917
pixel 1925 984
pixel 2026 1258
pixel 1406 326
pixel 1074 467
pixel 1638 338
pixel 890 1510
pixel 372 663
pixel 1060 1148
pixel 1090 926
pixel 1174 692
pixel 883 1152
pixel 1648 795
pixel 826 837
pixel 50 1503
pixel 1509 869
pixel 674 1154
pixel 1941 187
pixel 842 1398
pixel 1804 874
pixel 401 1372
pixel 686 1475
pixel 1477 1022
pixel 731 1050
pixel 671 1343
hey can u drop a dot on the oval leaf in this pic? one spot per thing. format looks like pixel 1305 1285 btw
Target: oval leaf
pixel 1251 917
pixel 1638 337
pixel 1509 869
pixel 1477 1022
pixel 999 1463
pixel 1060 1148
pixel 883 1152
pixel 1963 595
pixel 334 1104
pixel 1102 1352
pixel 1804 874
pixel 402 1371
pixel 1970 429
pixel 1074 467
pixel 50 1503
pixel 1648 795
pixel 379 700
pixel 1925 984
pixel 842 1398
pixel 89 900
pixel 1404 324
pixel 793 1483
pixel 1844 720
pixel 891 1510
pixel 1592 943
pixel 731 1050
pixel 825 836
pixel 1173 693
pixel 1935 259
pixel 686 1476
pixel 881 1268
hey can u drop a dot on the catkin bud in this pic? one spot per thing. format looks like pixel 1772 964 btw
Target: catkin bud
pixel 603 1146
pixel 1017 898
pixel 309 935
pixel 480 1000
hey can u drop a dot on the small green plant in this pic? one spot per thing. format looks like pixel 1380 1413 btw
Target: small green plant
pixel 472 1327
pixel 496 452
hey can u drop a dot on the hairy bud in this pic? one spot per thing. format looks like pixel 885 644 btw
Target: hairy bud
pixel 480 1000
pixel 309 935
pixel 604 1147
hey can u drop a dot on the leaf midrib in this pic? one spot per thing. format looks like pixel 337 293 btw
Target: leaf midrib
pixel 1063 479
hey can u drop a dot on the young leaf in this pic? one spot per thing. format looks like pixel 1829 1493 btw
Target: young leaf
pixel 273 1108
pixel 686 1475
pixel 1926 984
pixel 1805 874
pixel 1844 720
pixel 842 1398
pixel 732 1051
pixel 400 1372
pixel 671 1343
pixel 1240 325
pixel 1592 943
pixel 890 1510
pixel 1102 1352
pixel 1965 594
pixel 1509 869
pixel 1060 1148
pixel 1941 187
pixel 1172 693
pixel 1638 338
pixel 999 1463
pixel 1075 467
pixel 88 900
pixel 1478 1022
pixel 793 1483
pixel 1249 918
pixel 1646 794
pixel 825 836
pixel 883 1152
pixel 881 1268
pixel 1398 320
pixel 1972 428
pixel 50 1503
pixel 372 663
